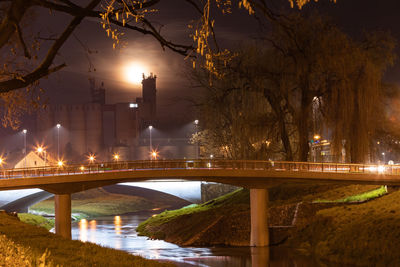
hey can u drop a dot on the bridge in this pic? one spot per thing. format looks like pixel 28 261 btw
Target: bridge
pixel 258 176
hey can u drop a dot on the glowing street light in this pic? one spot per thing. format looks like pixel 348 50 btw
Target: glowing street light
pixel 41 150
pixel 196 123
pixel 58 140
pixel 150 147
pixel 116 157
pixel 91 158
pixel 24 131
pixel 154 154
pixel 1 161
pixel 60 163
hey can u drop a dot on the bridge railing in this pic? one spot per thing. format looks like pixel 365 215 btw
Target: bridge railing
pixel 199 164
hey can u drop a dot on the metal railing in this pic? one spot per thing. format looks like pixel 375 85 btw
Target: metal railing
pixel 199 164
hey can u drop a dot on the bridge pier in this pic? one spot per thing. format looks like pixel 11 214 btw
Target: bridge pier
pixel 259 235
pixel 62 207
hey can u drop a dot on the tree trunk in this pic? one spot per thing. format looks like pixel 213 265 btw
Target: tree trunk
pixel 303 122
pixel 280 115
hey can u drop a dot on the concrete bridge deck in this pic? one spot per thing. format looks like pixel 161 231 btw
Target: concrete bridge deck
pixel 255 175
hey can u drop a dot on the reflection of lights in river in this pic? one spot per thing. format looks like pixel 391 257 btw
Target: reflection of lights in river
pixel 117 223
pixel 83 226
pixel 93 225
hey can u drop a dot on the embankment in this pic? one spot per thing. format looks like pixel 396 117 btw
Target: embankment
pixel 361 233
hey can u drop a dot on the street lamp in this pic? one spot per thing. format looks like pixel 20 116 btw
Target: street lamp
pixel 150 147
pixel 58 140
pixel 91 158
pixel 154 154
pixel 41 150
pixel 24 131
pixel 116 157
pixel 196 123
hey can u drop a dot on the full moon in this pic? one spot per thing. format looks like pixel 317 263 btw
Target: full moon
pixel 133 73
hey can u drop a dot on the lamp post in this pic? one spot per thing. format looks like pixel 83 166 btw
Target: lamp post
pixel 58 140
pixel 24 131
pixel 150 146
pixel 196 123
pixel 41 150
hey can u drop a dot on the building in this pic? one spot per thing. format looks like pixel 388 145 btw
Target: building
pixel 96 127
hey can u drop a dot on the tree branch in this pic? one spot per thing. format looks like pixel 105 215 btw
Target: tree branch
pixel 44 68
pixel 14 15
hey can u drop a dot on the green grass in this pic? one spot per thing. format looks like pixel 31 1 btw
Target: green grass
pixel 194 224
pixel 96 202
pixel 367 233
pixel 22 244
pixel 36 220
pixel 239 196
pixel 366 196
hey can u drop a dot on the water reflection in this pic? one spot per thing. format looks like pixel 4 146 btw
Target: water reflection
pixel 119 232
pixel 117 223
pixel 83 230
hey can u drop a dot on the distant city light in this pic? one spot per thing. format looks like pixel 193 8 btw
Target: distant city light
pixel 317 137
pixel 196 122
pixel 133 105
pixel 60 163
pixel 39 149
pixel 381 169
pixel 24 131
pixel 116 157
pixel 58 125
pixel 1 161
pixel 150 127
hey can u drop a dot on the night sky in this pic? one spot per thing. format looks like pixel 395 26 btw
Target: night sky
pixel 71 84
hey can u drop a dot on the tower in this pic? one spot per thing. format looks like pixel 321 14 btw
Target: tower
pixel 147 106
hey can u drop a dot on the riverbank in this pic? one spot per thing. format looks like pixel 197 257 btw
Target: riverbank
pixel 335 230
pixel 26 245
pixel 113 200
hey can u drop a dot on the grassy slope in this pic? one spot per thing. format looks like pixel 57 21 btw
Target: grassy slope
pixel 36 220
pixel 24 245
pixel 99 202
pixel 230 215
pixel 366 234
pixel 180 225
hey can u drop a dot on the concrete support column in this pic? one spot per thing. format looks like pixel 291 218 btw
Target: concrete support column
pixel 259 236
pixel 63 215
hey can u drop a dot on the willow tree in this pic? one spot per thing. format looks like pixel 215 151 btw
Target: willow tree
pixel 345 75
pixel 354 106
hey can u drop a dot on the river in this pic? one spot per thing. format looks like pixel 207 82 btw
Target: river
pixel 119 232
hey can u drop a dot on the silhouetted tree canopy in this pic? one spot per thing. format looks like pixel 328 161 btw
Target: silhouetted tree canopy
pixel 306 68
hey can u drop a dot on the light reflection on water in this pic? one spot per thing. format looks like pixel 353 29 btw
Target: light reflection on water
pixel 120 232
